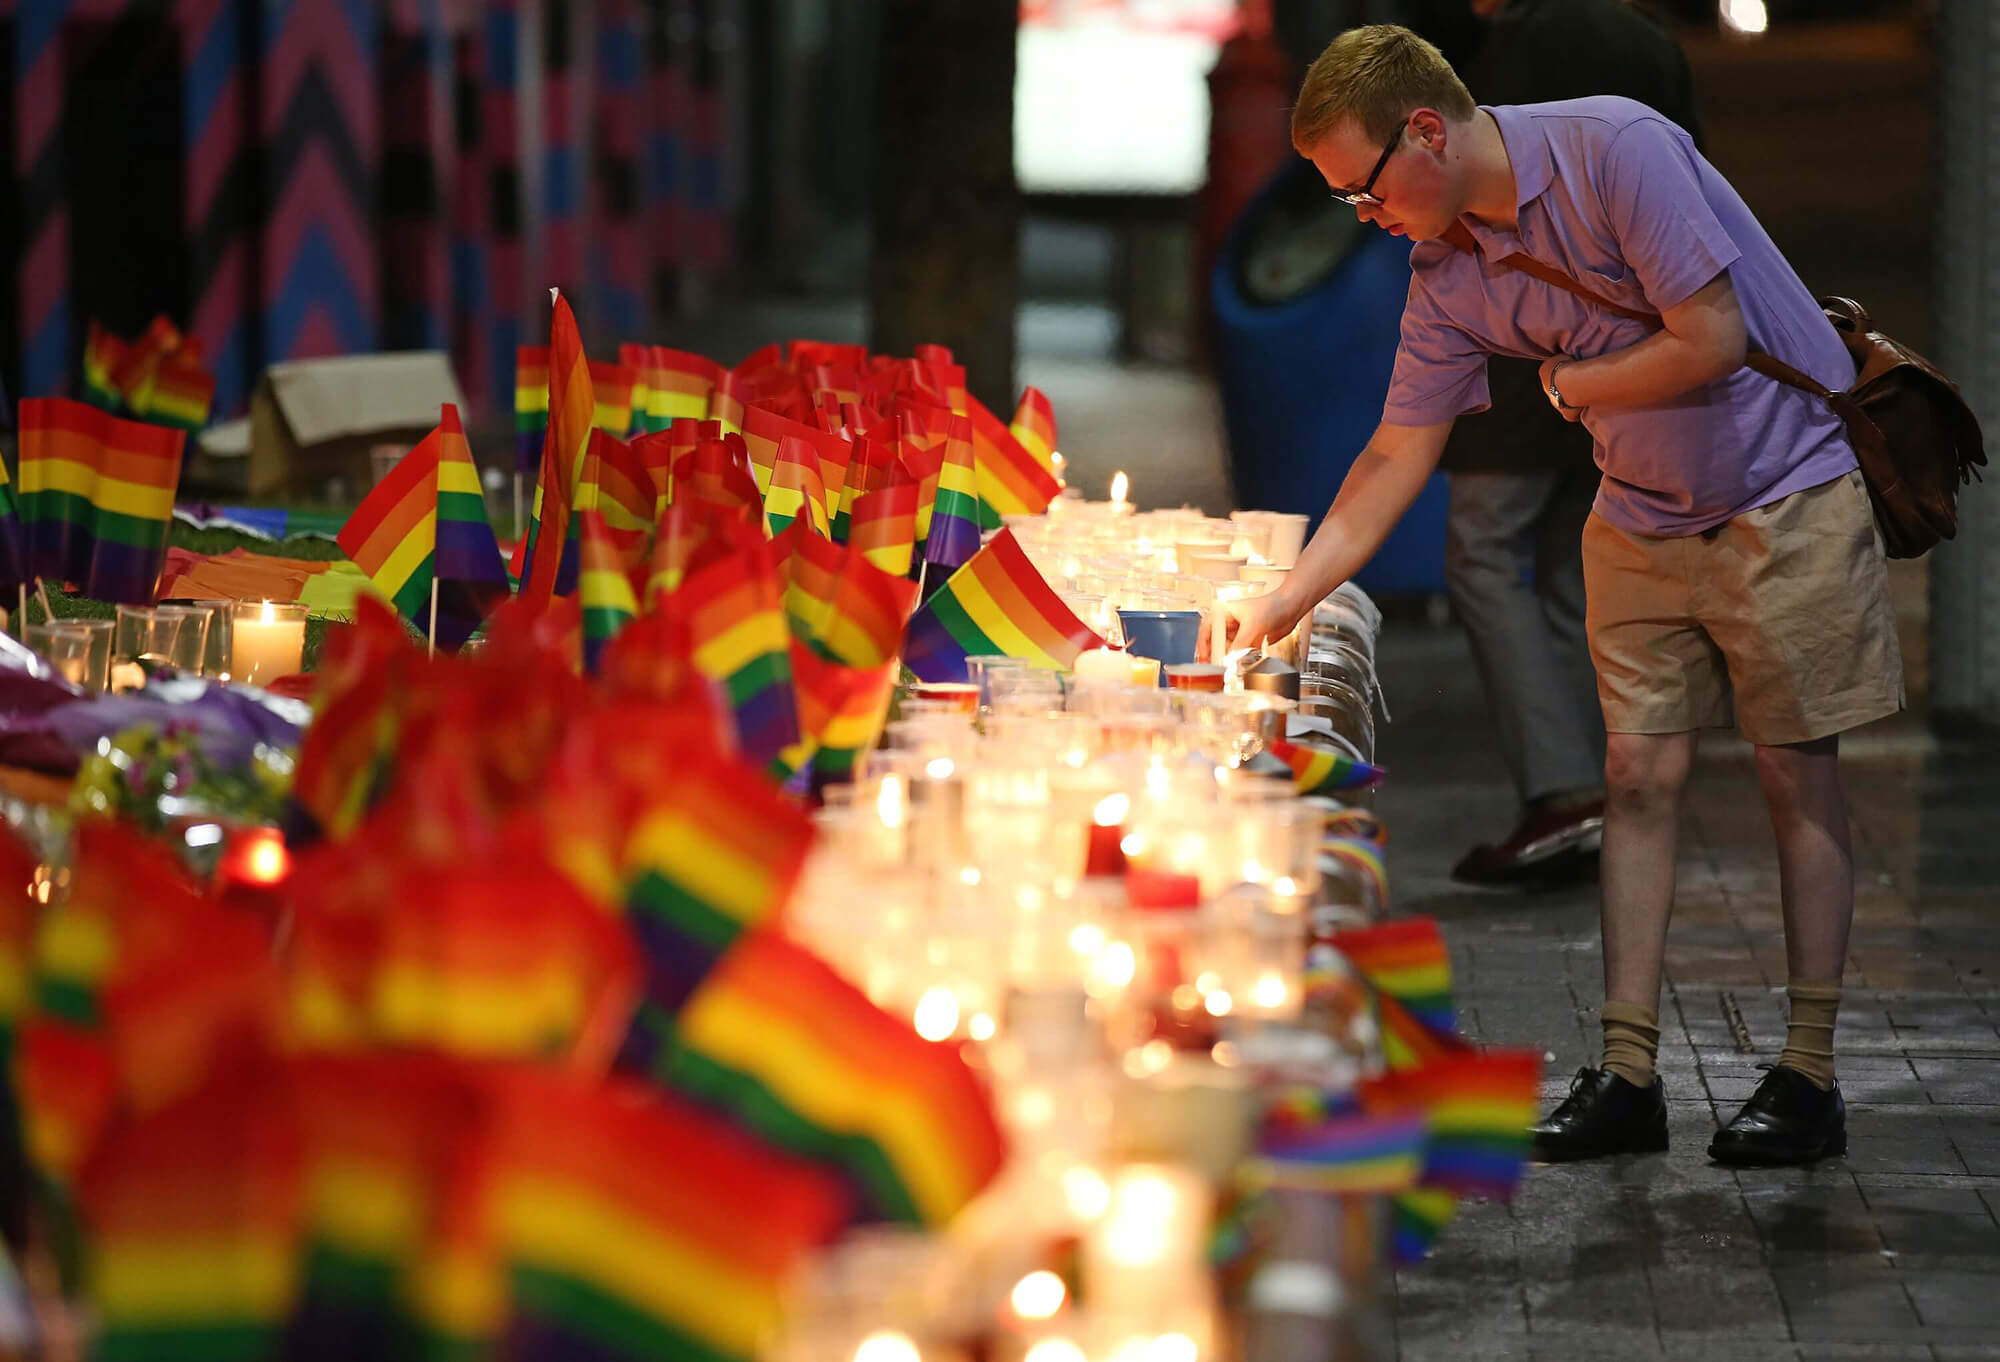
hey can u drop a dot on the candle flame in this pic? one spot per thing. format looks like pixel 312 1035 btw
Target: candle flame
pixel 1120 485
pixel 269 614
pixel 889 804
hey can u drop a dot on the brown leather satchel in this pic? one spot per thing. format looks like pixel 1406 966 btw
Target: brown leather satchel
pixel 1916 439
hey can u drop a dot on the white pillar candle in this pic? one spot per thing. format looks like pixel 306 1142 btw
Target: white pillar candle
pixel 268 640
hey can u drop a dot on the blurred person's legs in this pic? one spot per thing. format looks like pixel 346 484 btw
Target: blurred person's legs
pixel 1514 571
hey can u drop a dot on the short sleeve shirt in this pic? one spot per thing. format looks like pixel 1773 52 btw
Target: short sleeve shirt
pixel 1616 196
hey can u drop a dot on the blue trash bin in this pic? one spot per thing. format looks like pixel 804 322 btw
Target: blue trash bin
pixel 1308 307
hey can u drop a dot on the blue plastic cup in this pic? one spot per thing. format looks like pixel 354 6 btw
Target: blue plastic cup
pixel 1168 635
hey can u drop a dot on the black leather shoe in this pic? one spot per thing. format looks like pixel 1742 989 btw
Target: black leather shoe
pixel 1603 1114
pixel 1789 1119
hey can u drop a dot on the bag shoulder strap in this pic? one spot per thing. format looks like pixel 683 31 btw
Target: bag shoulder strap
pixel 1768 365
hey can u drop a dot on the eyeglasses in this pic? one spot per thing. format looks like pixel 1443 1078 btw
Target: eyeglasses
pixel 1367 194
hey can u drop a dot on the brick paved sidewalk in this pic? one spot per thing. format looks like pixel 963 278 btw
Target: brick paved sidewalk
pixel 1891 1252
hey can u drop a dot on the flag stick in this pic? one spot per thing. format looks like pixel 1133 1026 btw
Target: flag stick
pixel 517 501
pixel 432 637
pixel 923 571
pixel 42 592
pixel 21 621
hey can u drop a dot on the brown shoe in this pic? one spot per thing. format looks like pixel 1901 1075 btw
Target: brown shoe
pixel 1548 846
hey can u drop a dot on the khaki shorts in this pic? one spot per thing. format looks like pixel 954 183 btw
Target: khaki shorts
pixel 1780 616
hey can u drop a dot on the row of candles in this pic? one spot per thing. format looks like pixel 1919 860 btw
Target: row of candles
pixel 1109 560
pixel 254 642
pixel 1084 878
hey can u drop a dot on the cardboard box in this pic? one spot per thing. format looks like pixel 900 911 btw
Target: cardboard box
pixel 314 420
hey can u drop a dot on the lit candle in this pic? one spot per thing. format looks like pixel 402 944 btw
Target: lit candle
pixel 267 641
pixel 1110 667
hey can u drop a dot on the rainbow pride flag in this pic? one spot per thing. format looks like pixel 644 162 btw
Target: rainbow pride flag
pixel 812 566
pixel 531 405
pixel 572 402
pixel 715 852
pixel 392 535
pixel 386 1137
pixel 635 1227
pixel 883 527
pixel 795 489
pixel 616 485
pixel 764 433
pixel 955 520
pixel 1478 1106
pixel 1011 480
pixel 611 397
pixel 1416 1219
pixel 1351 1153
pixel 841 708
pixel 191 1218
pixel 603 589
pixel 865 618
pixel 725 402
pixel 105 357
pixel 735 610
pixel 782 1044
pixel 694 532
pixel 996 603
pixel 1408 961
pixel 97 495
pixel 1321 770
pixel 427 521
pixel 174 393
pixel 1034 427
pixel 1363 856
pixel 1406 1042
pixel 679 384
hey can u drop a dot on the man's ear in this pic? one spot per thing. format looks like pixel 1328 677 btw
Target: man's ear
pixel 1429 128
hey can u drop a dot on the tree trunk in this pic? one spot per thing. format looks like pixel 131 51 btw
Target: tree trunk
pixel 945 265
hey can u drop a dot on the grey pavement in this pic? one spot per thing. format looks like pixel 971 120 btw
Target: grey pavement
pixel 1890 1252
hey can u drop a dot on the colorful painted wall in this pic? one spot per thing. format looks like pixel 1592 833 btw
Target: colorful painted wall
pixel 290 178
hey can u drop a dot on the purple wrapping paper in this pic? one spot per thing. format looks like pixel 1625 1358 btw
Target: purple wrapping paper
pixel 46 724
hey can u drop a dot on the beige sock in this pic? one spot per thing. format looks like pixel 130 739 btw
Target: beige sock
pixel 1809 1029
pixel 1631 1041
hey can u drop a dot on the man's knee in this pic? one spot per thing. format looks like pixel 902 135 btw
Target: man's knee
pixel 1799 770
pixel 1642 770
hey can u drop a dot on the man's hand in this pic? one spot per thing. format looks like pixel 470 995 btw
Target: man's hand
pixel 1568 413
pixel 1252 622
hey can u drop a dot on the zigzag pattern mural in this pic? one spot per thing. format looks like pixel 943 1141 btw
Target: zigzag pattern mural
pixel 320 291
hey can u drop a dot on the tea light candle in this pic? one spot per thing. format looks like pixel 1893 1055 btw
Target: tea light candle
pixel 1110 667
pixel 267 641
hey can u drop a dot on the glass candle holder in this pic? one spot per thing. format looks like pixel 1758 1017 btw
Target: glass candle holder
pixel 65 649
pixel 96 675
pixel 267 640
pixel 215 652
pixel 190 643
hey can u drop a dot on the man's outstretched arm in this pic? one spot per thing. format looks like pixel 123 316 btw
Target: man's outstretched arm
pixel 1379 487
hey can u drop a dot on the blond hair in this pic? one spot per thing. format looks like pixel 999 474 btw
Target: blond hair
pixel 1377 75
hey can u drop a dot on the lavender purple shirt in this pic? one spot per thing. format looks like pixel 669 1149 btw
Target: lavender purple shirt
pixel 1615 195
